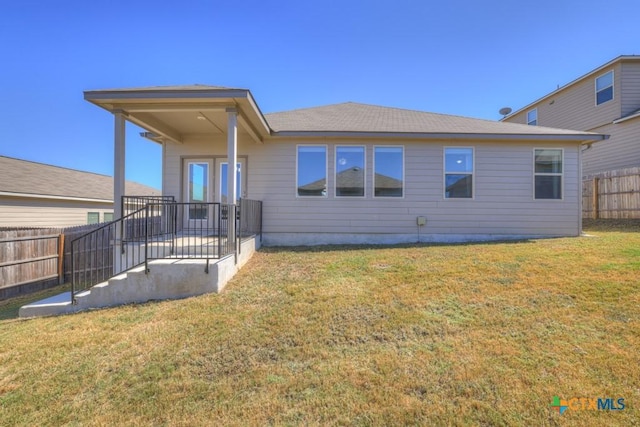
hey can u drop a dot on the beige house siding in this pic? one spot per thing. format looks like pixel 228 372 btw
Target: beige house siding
pixel 503 202
pixel 630 80
pixel 35 212
pixel 621 150
pixel 575 107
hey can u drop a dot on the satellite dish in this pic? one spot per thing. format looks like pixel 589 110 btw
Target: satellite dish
pixel 505 110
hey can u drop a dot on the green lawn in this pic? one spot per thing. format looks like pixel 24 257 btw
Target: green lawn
pixel 479 334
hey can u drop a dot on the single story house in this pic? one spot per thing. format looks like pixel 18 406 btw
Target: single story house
pixel 357 173
pixel 344 173
pixel 39 195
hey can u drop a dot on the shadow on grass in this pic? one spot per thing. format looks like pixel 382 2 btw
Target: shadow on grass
pixel 9 307
pixel 360 247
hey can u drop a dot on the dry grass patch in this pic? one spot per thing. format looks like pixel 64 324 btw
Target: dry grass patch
pixel 482 334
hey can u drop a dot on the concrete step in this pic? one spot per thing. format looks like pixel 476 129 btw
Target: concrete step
pixel 166 279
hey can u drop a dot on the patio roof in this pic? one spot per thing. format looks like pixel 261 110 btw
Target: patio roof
pixel 171 113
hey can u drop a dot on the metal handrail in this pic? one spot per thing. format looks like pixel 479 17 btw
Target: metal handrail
pixel 162 229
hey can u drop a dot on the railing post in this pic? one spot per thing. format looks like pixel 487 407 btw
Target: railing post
pixel 146 238
pixel 218 207
pixel 238 219
pixel 61 259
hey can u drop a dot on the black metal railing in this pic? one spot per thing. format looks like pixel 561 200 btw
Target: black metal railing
pixel 195 230
pixel 162 229
pixel 134 203
pixel 250 218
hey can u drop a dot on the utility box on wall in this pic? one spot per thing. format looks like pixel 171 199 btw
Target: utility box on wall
pixel 422 220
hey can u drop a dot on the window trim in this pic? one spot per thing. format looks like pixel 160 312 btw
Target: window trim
pixel 444 173
pixel 534 120
pixel 335 171
pixel 561 174
pixel 613 84
pixel 373 173
pixel 326 170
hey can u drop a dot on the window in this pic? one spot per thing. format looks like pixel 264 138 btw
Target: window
pixel 93 217
pixel 349 171
pixel 108 216
pixel 312 171
pixel 532 117
pixel 388 173
pixel 548 173
pixel 458 173
pixel 604 88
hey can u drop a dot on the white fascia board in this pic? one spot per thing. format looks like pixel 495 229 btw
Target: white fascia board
pixel 104 95
pixel 624 119
pixel 52 197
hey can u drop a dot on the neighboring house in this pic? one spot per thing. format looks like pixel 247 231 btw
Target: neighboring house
pixel 605 100
pixel 356 173
pixel 39 195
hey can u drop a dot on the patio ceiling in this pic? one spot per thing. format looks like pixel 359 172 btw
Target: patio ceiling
pixel 176 113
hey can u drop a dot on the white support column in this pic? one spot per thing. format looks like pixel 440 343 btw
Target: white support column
pixel 232 160
pixel 118 187
pixel 232 154
pixel 118 164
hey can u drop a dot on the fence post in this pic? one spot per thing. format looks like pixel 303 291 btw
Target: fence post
pixel 61 259
pixel 595 205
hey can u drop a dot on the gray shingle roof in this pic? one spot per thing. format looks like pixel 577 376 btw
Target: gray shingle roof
pixel 355 117
pixel 23 176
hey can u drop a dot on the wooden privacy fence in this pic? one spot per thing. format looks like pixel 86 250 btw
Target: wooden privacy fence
pixel 28 256
pixel 35 259
pixel 612 195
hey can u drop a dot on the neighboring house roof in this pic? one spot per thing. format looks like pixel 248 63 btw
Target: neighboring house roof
pixel 23 177
pixel 621 58
pixel 352 117
pixel 352 178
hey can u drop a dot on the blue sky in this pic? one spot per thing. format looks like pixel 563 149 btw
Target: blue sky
pixel 455 57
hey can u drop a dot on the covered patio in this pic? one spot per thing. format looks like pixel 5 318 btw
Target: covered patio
pixel 195 236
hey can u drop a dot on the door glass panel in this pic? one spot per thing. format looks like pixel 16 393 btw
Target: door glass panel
pixel 198 189
pixel 223 182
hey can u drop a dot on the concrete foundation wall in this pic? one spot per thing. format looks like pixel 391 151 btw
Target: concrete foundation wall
pixel 166 279
pixel 312 239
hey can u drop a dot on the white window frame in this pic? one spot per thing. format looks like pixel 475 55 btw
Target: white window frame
pixel 335 171
pixel 326 170
pixel 530 122
pixel 561 175
pixel 373 173
pixel 473 173
pixel 613 91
